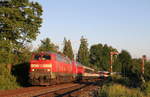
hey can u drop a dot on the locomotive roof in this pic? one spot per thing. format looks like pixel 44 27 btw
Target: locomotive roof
pixel 49 52
pixel 57 54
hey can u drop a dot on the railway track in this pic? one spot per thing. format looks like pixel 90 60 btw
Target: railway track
pixel 40 91
pixel 62 90
pixel 34 91
pixel 75 91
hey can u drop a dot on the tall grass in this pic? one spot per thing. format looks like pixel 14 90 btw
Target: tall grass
pixel 117 90
pixel 120 86
pixel 146 88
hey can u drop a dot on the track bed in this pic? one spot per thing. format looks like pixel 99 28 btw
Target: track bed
pixel 62 90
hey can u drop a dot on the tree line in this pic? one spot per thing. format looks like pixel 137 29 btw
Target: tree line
pixel 98 57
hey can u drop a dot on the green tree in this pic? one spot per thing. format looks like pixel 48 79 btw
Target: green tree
pixel 117 66
pixel 24 55
pixel 125 59
pixel 47 45
pixel 100 56
pixel 67 50
pixel 96 55
pixel 83 52
pixel 147 71
pixel 131 69
pixel 19 23
pixel 106 57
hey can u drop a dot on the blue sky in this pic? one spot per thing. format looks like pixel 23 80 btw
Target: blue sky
pixel 123 24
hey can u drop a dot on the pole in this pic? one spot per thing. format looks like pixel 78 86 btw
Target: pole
pixel 111 60
pixel 142 67
pixel 143 63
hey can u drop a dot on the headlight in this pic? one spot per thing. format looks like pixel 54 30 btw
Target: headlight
pixel 48 69
pixel 32 69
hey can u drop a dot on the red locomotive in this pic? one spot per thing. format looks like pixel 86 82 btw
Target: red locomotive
pixel 48 68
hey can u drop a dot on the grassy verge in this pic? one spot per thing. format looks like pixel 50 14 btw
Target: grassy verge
pixel 119 87
pixel 117 90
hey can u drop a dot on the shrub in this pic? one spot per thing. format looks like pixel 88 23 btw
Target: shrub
pixel 21 72
pixel 121 80
pixel 127 81
pixel 7 81
pixel 147 71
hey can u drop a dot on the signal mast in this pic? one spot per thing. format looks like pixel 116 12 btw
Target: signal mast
pixel 142 67
pixel 111 60
pixel 143 62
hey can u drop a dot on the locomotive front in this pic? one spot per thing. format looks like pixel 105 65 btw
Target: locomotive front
pixel 40 69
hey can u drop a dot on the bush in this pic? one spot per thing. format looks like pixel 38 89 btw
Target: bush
pixel 116 90
pixel 147 71
pixel 121 80
pixel 21 72
pixel 7 81
pixel 133 81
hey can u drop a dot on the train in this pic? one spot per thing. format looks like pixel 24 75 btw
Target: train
pixel 48 68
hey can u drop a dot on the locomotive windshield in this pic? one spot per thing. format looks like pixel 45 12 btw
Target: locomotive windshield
pixel 46 57
pixel 42 57
pixel 37 57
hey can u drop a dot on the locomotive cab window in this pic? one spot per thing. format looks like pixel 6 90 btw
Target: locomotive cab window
pixel 46 57
pixel 37 57
pixel 42 57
